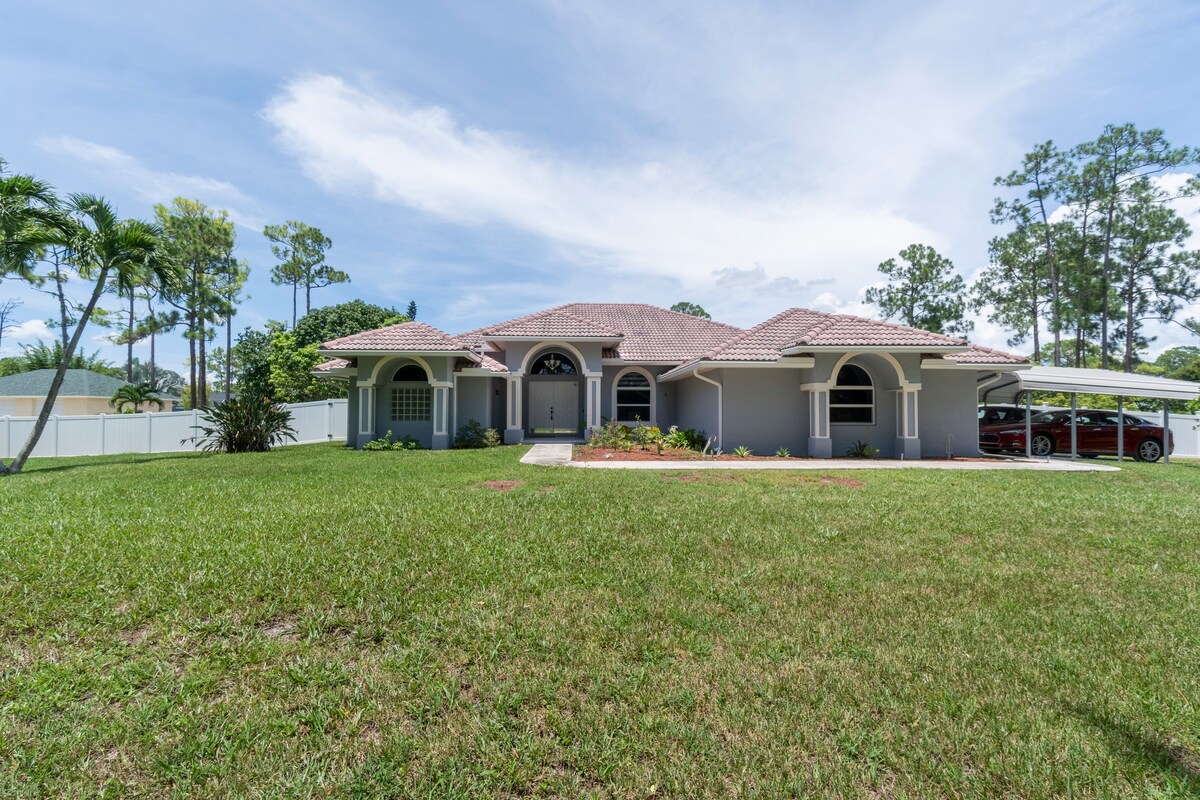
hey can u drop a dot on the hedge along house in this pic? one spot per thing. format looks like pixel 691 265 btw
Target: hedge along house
pixel 805 380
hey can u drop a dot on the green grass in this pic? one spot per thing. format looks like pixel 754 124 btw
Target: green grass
pixel 320 622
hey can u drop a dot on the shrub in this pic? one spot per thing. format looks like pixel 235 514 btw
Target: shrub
pixel 686 439
pixel 742 452
pixel 861 449
pixel 244 425
pixel 612 434
pixel 474 436
pixel 783 452
pixel 647 435
pixel 385 443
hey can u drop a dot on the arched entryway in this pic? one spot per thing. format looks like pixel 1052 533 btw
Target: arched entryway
pixel 404 402
pixel 554 395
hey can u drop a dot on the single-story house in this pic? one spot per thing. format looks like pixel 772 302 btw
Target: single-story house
pixel 806 380
pixel 83 392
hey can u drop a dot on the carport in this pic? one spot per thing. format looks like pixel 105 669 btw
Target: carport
pixel 1007 387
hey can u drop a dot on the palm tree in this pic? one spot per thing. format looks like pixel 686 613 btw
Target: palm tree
pixel 102 247
pixel 135 396
pixel 24 202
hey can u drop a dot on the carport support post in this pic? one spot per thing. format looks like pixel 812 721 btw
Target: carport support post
pixel 1166 442
pixel 1120 428
pixel 1028 424
pixel 1074 428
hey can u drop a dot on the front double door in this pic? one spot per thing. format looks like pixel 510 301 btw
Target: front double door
pixel 553 407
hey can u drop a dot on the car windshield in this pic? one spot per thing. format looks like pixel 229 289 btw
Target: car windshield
pixel 1051 417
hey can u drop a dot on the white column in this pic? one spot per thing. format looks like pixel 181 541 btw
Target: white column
pixel 820 443
pixel 593 401
pixel 366 416
pixel 515 422
pixel 441 405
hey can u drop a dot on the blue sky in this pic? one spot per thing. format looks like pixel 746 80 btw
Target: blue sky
pixel 492 159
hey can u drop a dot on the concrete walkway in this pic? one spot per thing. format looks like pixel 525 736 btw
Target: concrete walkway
pixel 559 455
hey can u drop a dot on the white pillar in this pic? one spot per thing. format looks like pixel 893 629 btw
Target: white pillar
pixel 441 407
pixel 908 440
pixel 366 416
pixel 593 401
pixel 820 442
pixel 514 429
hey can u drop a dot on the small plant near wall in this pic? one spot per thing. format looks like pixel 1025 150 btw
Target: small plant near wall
pixel 612 434
pixel 783 452
pixel 385 443
pixel 646 435
pixel 861 449
pixel 685 439
pixel 474 436
pixel 742 452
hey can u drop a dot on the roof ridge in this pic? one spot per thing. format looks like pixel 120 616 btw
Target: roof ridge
pixel 515 320
pixel 890 324
pixel 392 327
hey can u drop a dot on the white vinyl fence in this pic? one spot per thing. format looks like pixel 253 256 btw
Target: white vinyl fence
pixel 163 432
pixel 1186 428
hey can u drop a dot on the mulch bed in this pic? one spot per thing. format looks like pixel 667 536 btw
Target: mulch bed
pixel 585 453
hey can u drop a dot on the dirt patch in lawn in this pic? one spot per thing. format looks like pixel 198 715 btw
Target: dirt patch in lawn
pixel 853 483
pixel 136 636
pixel 281 628
pixel 502 486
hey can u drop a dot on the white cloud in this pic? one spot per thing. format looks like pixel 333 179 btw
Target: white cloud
pixel 667 220
pixel 153 185
pixel 26 332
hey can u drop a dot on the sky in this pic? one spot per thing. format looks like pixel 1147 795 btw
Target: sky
pixel 491 159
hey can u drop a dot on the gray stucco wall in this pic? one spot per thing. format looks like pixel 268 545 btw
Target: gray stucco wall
pixel 947 406
pixel 472 401
pixel 514 353
pixel 765 409
pixel 696 403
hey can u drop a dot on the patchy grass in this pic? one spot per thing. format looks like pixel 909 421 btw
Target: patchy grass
pixel 315 621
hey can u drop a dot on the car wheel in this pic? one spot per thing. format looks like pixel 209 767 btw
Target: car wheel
pixel 1148 450
pixel 1042 445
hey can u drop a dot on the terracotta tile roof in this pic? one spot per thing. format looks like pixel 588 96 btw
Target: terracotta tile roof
pixel 978 354
pixel 554 323
pixel 649 333
pixel 839 330
pixel 331 364
pixel 406 337
pixel 764 341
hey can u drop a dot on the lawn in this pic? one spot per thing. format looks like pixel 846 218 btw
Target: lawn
pixel 320 622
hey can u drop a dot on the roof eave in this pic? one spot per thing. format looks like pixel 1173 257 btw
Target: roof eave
pixel 548 338
pixel 422 353
pixel 792 362
pixel 874 348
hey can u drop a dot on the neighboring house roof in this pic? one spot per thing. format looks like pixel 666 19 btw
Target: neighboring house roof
pixel 332 364
pixel 76 383
pixel 406 337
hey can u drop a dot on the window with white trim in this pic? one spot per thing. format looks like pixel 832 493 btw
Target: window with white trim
pixel 633 398
pixel 852 400
pixel 411 404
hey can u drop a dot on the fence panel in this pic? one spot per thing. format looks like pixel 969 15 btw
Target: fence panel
pixel 1186 429
pixel 158 432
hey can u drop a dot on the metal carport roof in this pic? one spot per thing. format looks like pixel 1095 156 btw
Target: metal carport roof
pixel 1086 381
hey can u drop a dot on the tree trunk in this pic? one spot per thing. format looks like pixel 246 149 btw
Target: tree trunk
pixel 153 376
pixel 203 363
pixel 62 298
pixel 129 343
pixel 307 299
pixel 295 291
pixel 1055 305
pixel 192 357
pixel 39 426
pixel 1105 267
pixel 229 357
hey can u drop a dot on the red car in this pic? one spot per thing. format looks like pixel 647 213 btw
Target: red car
pixel 1096 433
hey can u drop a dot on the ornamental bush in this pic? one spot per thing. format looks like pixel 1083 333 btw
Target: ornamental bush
pixel 244 425
pixel 474 436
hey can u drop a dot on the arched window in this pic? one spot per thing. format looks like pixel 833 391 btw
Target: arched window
pixel 410 373
pixel 633 400
pixel 553 363
pixel 411 403
pixel 852 400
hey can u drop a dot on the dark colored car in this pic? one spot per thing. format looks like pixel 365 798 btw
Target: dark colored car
pixel 1096 433
pixel 994 415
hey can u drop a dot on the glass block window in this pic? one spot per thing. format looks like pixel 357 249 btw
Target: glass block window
pixel 852 401
pixel 633 398
pixel 411 404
